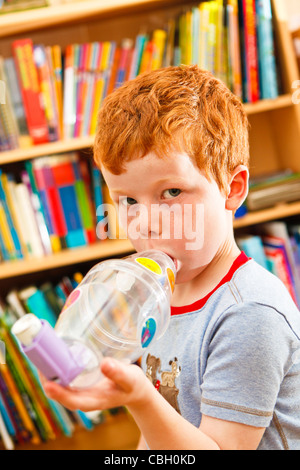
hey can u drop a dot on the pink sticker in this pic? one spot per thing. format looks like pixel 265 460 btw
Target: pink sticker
pixel 72 298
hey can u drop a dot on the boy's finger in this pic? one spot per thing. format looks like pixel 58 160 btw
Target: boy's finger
pixel 62 395
pixel 121 374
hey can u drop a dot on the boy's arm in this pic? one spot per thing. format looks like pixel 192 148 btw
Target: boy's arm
pixel 142 444
pixel 161 426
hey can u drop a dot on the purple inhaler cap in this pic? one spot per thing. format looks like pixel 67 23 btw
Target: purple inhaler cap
pixel 52 356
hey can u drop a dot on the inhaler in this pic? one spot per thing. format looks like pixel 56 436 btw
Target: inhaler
pixel 119 309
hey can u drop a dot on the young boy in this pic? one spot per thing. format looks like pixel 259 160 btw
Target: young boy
pixel 225 375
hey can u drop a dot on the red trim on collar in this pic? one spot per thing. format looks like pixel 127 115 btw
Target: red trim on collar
pixel 238 262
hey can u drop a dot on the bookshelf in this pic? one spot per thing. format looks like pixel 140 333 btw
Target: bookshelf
pixel 274 136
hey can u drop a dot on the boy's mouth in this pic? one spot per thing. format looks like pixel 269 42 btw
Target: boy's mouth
pixel 174 261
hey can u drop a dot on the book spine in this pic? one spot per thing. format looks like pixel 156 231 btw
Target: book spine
pixel 84 205
pixel 28 80
pixel 9 189
pixel 44 77
pixel 9 249
pixel 40 213
pixel 69 116
pixel 16 247
pixel 34 244
pixel 64 180
pixel 281 268
pixel 251 49
pixel 17 102
pixel 266 50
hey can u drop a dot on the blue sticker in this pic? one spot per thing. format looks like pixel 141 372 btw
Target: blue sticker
pixel 148 332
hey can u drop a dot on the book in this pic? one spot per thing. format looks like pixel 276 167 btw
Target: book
pixel 253 247
pixel 9 184
pixel 27 216
pixel 281 187
pixel 64 181
pixel 44 231
pixel 50 198
pixel 84 203
pixel 29 85
pixel 47 89
pixel 276 252
pixel 7 244
pixel 97 182
pixel 54 54
pixel 36 303
pixel 8 120
pixel 69 116
pixel 13 87
pixel 234 51
pixel 159 45
pixel 14 247
pixel 247 18
pixel 279 231
pixel 266 50
pixel 124 62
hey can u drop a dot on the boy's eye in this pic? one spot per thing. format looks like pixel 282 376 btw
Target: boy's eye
pixel 173 192
pixel 128 201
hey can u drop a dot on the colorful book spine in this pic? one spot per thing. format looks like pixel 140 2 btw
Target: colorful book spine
pixel 84 205
pixel 64 181
pixel 47 187
pixel 69 116
pixel 15 247
pixel 47 91
pixel 29 84
pixel 249 51
pixel 14 92
pixel 266 50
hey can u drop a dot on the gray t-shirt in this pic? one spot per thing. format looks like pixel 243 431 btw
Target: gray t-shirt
pixel 234 355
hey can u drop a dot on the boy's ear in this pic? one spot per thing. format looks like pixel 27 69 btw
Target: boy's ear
pixel 238 188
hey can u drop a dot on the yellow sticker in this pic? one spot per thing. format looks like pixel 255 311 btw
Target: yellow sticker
pixel 171 278
pixel 150 264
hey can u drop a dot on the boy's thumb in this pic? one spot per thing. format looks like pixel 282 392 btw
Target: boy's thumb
pixel 118 372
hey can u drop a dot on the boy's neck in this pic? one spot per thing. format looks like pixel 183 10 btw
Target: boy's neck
pixel 189 292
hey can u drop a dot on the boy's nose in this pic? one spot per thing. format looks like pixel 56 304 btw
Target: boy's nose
pixel 150 222
pixel 147 221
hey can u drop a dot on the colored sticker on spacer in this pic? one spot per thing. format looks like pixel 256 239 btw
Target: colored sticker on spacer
pixel 73 297
pixel 150 264
pixel 171 278
pixel 148 332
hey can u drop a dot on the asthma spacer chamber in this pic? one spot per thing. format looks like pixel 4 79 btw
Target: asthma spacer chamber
pixel 119 309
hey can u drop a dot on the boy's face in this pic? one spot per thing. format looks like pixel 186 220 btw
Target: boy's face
pixel 168 204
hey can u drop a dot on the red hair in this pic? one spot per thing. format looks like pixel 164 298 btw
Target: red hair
pixel 175 108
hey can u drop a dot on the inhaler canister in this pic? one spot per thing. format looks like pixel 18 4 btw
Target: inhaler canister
pixel 49 353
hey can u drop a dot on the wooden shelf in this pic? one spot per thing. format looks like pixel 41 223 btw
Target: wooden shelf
pixel 276 212
pixel 60 146
pixel 99 250
pixel 81 143
pixel 52 16
pixel 118 433
pixel 261 106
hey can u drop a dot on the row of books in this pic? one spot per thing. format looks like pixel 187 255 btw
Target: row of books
pixel 234 39
pixel 49 206
pixel 26 414
pixel 276 246
pixel 276 188
pixel 54 94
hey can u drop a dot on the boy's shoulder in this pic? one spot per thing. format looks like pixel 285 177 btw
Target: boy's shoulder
pixel 252 282
pixel 253 285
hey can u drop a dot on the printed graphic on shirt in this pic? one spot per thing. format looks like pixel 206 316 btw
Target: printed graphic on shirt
pixel 166 383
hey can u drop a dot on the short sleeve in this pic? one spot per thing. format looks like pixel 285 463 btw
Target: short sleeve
pixel 249 352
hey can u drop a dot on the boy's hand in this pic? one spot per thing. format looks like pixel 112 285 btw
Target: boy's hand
pixel 122 385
